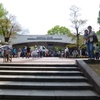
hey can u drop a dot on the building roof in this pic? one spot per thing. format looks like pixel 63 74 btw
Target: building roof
pixel 41 38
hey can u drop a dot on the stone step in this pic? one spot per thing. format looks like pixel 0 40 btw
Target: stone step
pixel 6 94
pixel 37 78
pixel 44 82
pixel 38 65
pixel 45 73
pixel 45 85
pixel 46 68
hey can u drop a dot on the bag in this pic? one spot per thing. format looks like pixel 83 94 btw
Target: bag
pixel 95 39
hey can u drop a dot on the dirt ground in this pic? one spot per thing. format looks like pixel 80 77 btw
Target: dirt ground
pixel 96 68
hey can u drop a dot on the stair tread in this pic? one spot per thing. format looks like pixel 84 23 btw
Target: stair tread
pixel 13 67
pixel 37 76
pixel 44 83
pixel 47 92
pixel 19 71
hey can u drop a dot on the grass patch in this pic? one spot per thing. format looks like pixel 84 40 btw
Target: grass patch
pixel 96 68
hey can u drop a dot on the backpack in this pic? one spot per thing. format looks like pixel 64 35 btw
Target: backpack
pixel 95 39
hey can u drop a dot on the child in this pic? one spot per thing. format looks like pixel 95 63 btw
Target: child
pixel 97 50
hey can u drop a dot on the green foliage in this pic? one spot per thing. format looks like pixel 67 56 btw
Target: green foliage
pixel 8 24
pixel 80 41
pixel 98 19
pixel 4 25
pixel 59 48
pixel 9 27
pixel 3 11
pixel 57 30
pixel 98 32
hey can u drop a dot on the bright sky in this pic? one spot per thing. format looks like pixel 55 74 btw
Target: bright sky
pixel 41 15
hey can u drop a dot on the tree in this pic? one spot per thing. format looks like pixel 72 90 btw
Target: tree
pixel 57 30
pixel 77 23
pixel 98 32
pixel 98 19
pixel 3 11
pixel 9 27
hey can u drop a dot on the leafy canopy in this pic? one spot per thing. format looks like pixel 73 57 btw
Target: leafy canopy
pixel 59 30
pixel 3 11
pixel 98 20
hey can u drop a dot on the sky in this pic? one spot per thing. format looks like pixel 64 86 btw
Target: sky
pixel 39 16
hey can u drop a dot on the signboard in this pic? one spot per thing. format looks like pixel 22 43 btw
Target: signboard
pixel 44 38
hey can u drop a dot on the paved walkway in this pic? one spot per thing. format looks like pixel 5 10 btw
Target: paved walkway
pixel 44 60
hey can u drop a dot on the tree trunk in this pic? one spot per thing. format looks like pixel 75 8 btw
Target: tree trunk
pixel 77 41
pixel 6 39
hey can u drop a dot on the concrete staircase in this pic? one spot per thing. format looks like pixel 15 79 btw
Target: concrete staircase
pixel 44 82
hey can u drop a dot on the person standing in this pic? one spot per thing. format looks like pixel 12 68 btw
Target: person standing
pixel 7 55
pixel 23 52
pixel 74 53
pixel 28 52
pixel 19 52
pixel 88 36
pixel 4 55
pixel 97 50
pixel 66 52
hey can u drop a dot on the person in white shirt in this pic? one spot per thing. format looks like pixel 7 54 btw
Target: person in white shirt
pixel 66 52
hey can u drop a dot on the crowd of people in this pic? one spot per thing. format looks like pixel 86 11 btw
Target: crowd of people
pixel 26 52
pixel 93 52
